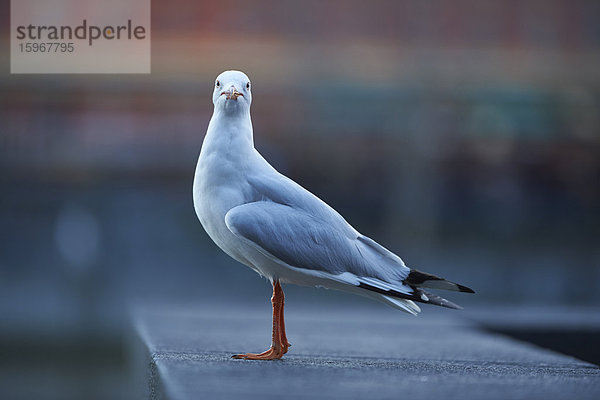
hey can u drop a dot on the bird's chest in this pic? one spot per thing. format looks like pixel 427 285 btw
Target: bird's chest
pixel 219 186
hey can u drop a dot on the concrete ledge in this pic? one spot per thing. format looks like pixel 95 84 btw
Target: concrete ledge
pixel 374 353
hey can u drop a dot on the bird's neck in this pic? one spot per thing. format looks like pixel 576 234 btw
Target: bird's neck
pixel 229 132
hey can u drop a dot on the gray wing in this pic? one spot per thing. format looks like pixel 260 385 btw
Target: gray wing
pixel 291 224
pixel 308 241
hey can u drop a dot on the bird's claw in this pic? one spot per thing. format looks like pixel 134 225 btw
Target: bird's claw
pixel 271 354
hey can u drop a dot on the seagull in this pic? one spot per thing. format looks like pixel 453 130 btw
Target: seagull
pixel 273 225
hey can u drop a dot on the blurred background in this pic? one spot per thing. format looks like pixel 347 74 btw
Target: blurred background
pixel 463 135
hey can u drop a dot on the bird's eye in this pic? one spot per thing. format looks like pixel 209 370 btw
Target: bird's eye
pixel 248 85
pixel 218 84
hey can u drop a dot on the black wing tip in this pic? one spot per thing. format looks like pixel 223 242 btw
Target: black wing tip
pixel 417 278
pixel 464 289
pixel 417 296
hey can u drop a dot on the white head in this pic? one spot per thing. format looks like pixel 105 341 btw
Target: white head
pixel 232 92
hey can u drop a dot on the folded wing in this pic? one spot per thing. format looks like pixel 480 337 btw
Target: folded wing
pixel 304 241
pixel 336 251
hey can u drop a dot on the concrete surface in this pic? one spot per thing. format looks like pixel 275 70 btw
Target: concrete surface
pixel 360 353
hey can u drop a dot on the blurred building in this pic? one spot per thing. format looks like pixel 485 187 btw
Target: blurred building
pixel 465 135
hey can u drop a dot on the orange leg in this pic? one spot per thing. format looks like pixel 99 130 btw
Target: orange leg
pixel 279 343
pixel 282 320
